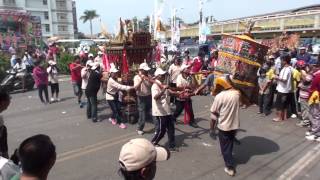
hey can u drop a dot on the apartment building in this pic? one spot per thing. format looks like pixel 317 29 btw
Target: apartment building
pixel 56 15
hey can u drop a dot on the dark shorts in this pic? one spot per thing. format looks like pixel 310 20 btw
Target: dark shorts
pixel 282 101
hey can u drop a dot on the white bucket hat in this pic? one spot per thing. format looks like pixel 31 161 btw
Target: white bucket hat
pixel 159 71
pixel 51 62
pixel 95 65
pixel 144 66
pixel 89 63
pixel 90 55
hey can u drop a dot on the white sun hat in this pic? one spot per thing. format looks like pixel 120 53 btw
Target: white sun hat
pixel 159 71
pixel 144 66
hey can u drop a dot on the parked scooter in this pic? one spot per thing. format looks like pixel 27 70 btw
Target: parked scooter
pixel 13 82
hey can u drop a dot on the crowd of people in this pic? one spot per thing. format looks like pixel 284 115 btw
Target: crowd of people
pixel 290 78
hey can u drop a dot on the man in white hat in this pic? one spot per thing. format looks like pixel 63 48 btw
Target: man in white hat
pixel 112 96
pixel 85 72
pixel 93 86
pixel 138 159
pixel 143 85
pixel 53 80
pixel 303 55
pixel 161 109
pixel 184 82
pixel 91 57
pixel 173 72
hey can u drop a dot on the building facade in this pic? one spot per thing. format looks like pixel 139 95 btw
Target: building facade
pixel 56 15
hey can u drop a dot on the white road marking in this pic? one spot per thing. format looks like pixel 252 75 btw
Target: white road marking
pixel 301 164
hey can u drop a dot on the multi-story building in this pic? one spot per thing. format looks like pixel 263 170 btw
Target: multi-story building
pixel 74 16
pixel 56 15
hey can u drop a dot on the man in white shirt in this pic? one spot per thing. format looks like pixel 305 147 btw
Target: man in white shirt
pixel 284 87
pixel 161 109
pixel 143 91
pixel 174 71
pixel 184 83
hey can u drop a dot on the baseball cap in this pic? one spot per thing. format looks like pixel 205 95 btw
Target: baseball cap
pixel 309 78
pixel 139 153
pixel 144 66
pixel 159 71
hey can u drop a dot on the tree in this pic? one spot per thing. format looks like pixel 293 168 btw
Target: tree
pixel 89 15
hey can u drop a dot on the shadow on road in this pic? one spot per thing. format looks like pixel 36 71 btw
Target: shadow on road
pixel 253 146
pixel 66 98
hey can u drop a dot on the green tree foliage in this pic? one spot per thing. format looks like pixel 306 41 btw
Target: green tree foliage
pixel 89 15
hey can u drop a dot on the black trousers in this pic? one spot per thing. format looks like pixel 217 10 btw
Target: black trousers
pixel 180 108
pixel 165 125
pixel 226 139
pixel 92 109
pixel 43 88
pixel 3 142
pixel 172 98
pixel 54 89
pixel 292 103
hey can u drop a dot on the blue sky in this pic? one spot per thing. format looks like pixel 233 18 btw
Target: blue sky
pixel 111 10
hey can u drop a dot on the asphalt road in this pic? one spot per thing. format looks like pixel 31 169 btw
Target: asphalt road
pixel 89 151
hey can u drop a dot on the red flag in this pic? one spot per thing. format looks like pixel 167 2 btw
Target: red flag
pixel 105 62
pixel 125 68
pixel 158 54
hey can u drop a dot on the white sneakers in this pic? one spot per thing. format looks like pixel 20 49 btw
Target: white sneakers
pixel 140 132
pixel 293 116
pixel 311 137
pixel 230 172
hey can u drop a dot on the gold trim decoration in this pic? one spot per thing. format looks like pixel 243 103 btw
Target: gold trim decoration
pixel 235 57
